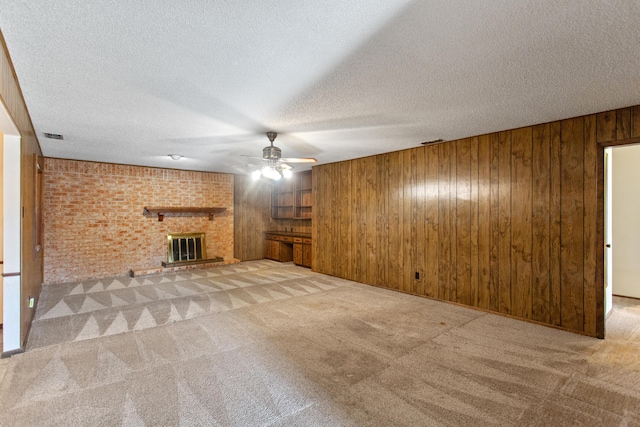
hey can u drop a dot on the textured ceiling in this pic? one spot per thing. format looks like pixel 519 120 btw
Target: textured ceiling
pixel 130 82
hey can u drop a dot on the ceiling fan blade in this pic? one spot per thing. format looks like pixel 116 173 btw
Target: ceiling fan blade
pixel 299 160
pixel 285 166
pixel 251 157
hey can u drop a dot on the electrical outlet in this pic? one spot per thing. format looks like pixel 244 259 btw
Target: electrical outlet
pixel 417 275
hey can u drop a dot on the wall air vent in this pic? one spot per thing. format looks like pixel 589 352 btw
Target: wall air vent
pixel 53 135
pixel 433 141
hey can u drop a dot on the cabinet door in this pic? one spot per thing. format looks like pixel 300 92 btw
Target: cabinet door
pixel 268 253
pixel 275 250
pixel 306 255
pixel 297 253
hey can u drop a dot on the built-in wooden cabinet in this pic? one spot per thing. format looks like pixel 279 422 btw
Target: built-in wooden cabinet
pixel 284 246
pixel 279 251
pixel 291 198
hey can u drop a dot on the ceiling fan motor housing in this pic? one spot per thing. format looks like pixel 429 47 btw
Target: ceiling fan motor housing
pixel 271 153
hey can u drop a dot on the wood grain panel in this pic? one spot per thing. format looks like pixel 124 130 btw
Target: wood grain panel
pixel 606 126
pixel 420 218
pixel 396 253
pixel 494 257
pixel 475 227
pixel 590 231
pixel 623 123
pixel 571 223
pixel 251 210
pixel 382 220
pixel 453 232
pixel 521 210
pixel 407 256
pixel 540 262
pixel 463 222
pixel 444 222
pixel 370 204
pixel 635 121
pixel 432 223
pixel 484 221
pixel 344 258
pixel 555 303
pixel 504 214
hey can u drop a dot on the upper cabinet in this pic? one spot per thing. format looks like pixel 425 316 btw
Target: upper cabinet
pixel 291 198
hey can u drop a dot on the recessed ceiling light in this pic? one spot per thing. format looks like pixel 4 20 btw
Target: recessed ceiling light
pixel 175 156
pixel 53 135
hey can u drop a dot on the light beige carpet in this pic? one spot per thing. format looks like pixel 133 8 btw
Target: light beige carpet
pixel 263 343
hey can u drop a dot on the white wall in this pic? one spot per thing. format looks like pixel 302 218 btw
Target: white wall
pixel 12 227
pixel 625 213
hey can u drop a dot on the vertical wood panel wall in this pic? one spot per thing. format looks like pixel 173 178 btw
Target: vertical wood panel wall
pixel 31 274
pixel 252 215
pixel 508 222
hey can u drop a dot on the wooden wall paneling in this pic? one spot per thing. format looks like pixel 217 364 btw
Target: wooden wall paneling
pixel 396 258
pixel 361 219
pixel 494 219
pixel 475 226
pixel 463 221
pixel 484 222
pixel 504 212
pixel 321 240
pixel 371 206
pixel 452 215
pixel 571 228
pixel 540 262
pixel 623 123
pixel 382 220
pixel 421 224
pixel 555 247
pixel 590 232
pixel 252 204
pixel 405 222
pixel 335 260
pixel 521 221
pixel 431 222
pixel 345 254
pixel 316 217
pixel 606 126
pixel 635 121
pixel 444 222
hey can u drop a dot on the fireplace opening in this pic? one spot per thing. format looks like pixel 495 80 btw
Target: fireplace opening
pixel 186 247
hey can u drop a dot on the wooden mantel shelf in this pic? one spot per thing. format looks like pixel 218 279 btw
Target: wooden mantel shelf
pixel 161 211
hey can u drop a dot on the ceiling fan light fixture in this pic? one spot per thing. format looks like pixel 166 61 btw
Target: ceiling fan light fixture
pixel 256 175
pixel 286 173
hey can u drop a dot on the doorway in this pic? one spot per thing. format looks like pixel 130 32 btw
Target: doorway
pixel 624 202
pixel 11 226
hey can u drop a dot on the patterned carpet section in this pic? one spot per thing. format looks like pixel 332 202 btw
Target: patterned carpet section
pixel 96 308
pixel 268 344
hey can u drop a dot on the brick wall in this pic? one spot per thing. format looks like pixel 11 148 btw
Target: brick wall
pixel 94 223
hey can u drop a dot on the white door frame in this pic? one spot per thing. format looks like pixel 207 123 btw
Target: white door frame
pixel 12 227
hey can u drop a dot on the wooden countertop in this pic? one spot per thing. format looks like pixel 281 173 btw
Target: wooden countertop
pixel 289 234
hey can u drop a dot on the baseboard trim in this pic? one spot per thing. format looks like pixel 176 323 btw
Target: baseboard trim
pixel 10 353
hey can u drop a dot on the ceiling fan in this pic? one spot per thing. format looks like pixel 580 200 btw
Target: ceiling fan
pixel 276 166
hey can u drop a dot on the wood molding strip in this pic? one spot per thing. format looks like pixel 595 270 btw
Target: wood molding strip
pixel 615 143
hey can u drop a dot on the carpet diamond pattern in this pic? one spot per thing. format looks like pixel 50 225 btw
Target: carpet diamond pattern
pixel 118 305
